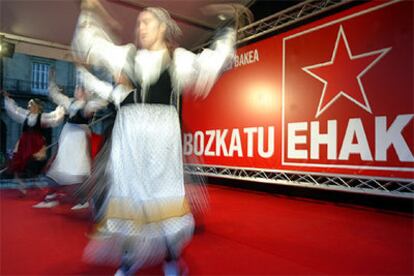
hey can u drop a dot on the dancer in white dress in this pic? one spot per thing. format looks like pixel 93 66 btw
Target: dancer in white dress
pixel 72 164
pixel 145 217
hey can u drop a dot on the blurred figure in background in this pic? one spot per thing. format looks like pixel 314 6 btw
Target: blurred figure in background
pixel 72 164
pixel 29 155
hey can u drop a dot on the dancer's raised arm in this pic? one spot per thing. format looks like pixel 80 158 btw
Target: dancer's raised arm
pixel 15 112
pixel 55 93
pixel 54 118
pixel 94 42
pixel 199 72
pixel 96 86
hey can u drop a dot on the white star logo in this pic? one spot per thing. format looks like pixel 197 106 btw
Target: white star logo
pixel 344 72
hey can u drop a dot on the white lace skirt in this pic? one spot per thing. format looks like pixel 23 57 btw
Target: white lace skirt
pixel 146 211
pixel 72 164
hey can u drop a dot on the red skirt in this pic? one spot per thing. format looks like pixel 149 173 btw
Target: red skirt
pixel 30 143
pixel 96 144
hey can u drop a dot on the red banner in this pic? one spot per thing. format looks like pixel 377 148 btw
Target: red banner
pixel 334 97
pixel 236 124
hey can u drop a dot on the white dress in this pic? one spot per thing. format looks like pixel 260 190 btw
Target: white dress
pixel 72 164
pixel 145 214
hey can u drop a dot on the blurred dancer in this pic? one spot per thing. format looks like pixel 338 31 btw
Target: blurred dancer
pixel 72 164
pixel 29 156
pixel 145 217
pixel 95 188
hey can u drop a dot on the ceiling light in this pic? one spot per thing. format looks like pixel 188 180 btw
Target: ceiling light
pixel 6 49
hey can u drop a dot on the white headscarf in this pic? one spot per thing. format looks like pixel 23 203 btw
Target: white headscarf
pixel 172 32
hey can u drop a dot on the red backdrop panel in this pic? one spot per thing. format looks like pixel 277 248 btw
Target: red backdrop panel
pixel 244 102
pixel 334 96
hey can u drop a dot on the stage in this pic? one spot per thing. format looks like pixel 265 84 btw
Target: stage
pixel 245 232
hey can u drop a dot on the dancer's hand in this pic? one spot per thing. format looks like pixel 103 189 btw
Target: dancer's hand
pixel 97 7
pixel 52 74
pixel 5 94
pixel 237 16
pixel 88 4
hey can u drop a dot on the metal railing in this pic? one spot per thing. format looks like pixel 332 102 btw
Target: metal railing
pixel 401 188
pixel 297 13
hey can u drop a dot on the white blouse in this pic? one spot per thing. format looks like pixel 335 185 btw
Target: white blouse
pixel 196 73
pixel 19 114
pixel 72 105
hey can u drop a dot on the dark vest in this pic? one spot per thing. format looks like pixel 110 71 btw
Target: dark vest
pixel 36 127
pixel 78 118
pixel 159 92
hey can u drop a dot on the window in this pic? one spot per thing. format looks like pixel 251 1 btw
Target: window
pixel 40 77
